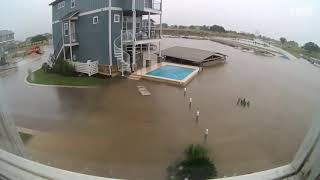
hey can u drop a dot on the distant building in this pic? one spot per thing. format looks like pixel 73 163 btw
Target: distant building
pixel 7 43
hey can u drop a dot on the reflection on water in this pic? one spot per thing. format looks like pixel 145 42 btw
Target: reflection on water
pixel 115 132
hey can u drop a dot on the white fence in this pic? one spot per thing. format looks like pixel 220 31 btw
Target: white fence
pixel 90 68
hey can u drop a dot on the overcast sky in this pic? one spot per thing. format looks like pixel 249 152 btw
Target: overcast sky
pixel 297 20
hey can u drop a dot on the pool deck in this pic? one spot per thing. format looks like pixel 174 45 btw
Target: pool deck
pixel 143 73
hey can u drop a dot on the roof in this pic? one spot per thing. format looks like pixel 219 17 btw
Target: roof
pixel 70 15
pixel 5 32
pixel 190 54
pixel 147 20
pixel 55 2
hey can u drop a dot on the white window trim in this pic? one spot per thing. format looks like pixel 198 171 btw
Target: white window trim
pixel 74 2
pixel 93 19
pixel 66 27
pixel 116 18
pixel 61 4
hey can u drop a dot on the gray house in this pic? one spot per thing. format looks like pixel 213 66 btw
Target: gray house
pixel 7 43
pixel 108 31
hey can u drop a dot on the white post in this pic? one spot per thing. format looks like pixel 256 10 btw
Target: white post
pixel 149 34
pixel 134 26
pixel 160 30
pixel 110 39
pixel 70 40
pixel 62 35
pixel 122 71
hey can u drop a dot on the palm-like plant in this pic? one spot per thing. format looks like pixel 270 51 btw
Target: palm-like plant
pixel 196 166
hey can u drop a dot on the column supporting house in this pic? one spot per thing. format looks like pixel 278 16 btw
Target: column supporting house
pixel 149 34
pixel 110 38
pixel 62 36
pixel 134 26
pixel 70 40
pixel 141 50
pixel 160 30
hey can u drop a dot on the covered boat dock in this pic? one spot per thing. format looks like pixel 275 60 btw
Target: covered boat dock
pixel 192 56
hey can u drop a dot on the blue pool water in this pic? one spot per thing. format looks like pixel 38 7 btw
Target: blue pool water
pixel 171 72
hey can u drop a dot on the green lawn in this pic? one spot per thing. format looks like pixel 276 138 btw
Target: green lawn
pixel 25 137
pixel 295 51
pixel 298 51
pixel 43 78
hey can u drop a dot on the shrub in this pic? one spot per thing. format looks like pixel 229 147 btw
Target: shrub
pixel 196 166
pixel 45 67
pixel 63 67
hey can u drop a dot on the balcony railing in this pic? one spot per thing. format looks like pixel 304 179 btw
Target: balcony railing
pixel 144 35
pixel 153 4
pixel 74 39
pixel 127 35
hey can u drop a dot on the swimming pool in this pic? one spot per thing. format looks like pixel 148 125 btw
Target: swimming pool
pixel 171 72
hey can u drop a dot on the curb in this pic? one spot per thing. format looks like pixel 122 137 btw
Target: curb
pixel 57 86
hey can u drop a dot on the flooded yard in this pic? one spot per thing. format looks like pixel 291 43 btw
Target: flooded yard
pixel 113 131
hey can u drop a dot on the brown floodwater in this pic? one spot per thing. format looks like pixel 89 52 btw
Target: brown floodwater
pixel 113 131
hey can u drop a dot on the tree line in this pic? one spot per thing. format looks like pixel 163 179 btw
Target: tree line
pixel 309 46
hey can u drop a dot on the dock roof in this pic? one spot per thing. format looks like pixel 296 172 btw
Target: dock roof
pixel 190 54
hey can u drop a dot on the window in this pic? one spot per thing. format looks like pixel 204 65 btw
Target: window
pixel 66 29
pixel 95 20
pixel 73 3
pixel 61 5
pixel 116 18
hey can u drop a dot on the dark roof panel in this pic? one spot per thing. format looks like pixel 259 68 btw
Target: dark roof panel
pixel 190 54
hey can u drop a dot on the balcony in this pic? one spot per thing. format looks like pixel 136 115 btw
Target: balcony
pixel 74 40
pixel 153 4
pixel 141 35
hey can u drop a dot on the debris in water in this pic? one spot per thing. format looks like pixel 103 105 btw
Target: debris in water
pixel 143 91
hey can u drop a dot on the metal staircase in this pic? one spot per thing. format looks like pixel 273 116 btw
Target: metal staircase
pixel 123 58
pixel 57 52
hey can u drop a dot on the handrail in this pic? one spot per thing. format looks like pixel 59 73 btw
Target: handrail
pixel 125 57
pixel 53 57
pixel 57 48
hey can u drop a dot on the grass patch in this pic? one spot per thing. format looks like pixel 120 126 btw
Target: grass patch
pixel 25 137
pixel 41 77
pixel 299 52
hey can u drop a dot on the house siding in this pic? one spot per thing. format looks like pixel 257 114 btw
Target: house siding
pixel 127 5
pixel 82 5
pixel 93 38
pixel 57 33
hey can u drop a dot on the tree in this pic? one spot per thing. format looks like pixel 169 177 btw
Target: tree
pixel 311 47
pixel 192 27
pixel 293 44
pixel 174 26
pixel 39 38
pixel 196 165
pixel 165 25
pixel 283 40
pixel 216 28
pixel 204 28
pixel 182 27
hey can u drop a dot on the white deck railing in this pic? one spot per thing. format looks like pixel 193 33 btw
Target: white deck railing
pixel 90 68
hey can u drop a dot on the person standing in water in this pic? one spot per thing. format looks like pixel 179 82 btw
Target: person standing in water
pixel 190 103
pixel 206 133
pixel 197 115
pixel 239 100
